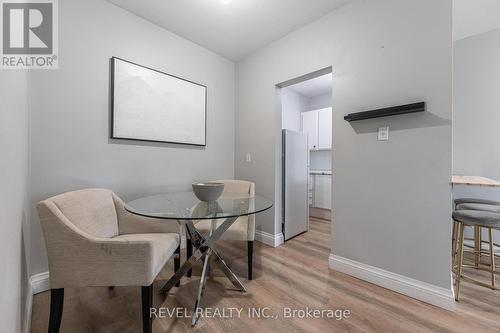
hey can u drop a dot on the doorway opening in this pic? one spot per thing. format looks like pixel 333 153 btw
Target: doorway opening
pixel 306 150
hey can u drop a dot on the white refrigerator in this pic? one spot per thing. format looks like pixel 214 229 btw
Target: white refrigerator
pixel 295 201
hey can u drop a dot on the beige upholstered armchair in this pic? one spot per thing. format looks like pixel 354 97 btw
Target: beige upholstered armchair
pixel 244 227
pixel 92 240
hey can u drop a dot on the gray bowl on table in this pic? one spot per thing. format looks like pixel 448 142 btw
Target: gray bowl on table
pixel 208 192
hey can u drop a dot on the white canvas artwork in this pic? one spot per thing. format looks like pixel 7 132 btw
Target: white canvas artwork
pixel 154 106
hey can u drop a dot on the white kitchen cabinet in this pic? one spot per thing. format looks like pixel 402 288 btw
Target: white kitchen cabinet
pixel 323 191
pixel 317 125
pixel 310 127
pixel 325 128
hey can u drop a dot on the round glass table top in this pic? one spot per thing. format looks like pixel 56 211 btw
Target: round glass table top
pixel 185 206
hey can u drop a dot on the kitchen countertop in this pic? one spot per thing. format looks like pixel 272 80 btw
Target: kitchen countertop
pixel 320 172
pixel 474 181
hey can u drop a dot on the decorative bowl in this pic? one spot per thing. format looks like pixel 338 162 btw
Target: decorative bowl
pixel 208 192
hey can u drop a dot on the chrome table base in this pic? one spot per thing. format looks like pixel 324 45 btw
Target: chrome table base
pixel 205 250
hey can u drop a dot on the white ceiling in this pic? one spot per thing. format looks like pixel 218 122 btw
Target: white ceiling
pixel 472 17
pixel 314 87
pixel 235 29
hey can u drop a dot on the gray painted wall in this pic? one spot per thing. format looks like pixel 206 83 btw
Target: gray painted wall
pixel 70 145
pixel 14 228
pixel 386 195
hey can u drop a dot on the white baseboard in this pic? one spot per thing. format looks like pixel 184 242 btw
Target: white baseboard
pixel 39 282
pixel 269 239
pixel 422 291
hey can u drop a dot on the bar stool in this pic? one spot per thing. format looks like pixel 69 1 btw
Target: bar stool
pixel 460 201
pixel 479 206
pixel 474 204
pixel 480 219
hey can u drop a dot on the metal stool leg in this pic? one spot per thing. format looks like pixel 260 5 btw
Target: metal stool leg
pixel 480 241
pixel 492 257
pixel 454 245
pixel 477 245
pixel 460 260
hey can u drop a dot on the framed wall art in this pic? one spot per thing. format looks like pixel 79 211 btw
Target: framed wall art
pixel 149 105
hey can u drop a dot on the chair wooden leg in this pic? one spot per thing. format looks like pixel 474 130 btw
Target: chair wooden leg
pixel 460 260
pixel 492 258
pixel 177 262
pixel 189 253
pixel 250 259
pixel 147 304
pixel 56 309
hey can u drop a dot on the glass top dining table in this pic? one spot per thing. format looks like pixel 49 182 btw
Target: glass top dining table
pixel 186 206
pixel 187 209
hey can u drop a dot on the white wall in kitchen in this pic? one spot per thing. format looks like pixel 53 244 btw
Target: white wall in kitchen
pixel 292 104
pixel 320 101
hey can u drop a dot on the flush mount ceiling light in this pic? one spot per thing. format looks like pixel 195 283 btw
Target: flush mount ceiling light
pixel 225 1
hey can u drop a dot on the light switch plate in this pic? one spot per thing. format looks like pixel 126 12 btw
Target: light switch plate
pixel 383 133
pixel 249 158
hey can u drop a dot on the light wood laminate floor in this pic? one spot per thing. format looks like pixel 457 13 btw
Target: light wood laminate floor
pixel 295 275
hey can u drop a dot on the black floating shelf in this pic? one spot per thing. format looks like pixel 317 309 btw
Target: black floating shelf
pixel 385 112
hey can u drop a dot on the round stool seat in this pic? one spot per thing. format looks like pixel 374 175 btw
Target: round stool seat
pixel 460 201
pixel 478 206
pixel 477 218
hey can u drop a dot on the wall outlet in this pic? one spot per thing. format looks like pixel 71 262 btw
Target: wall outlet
pixel 249 158
pixel 383 133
